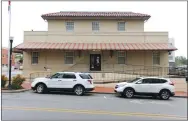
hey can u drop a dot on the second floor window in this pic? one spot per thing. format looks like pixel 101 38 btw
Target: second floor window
pixel 70 26
pixel 34 58
pixel 95 26
pixel 121 26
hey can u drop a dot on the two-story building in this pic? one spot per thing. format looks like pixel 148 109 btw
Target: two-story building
pixel 94 41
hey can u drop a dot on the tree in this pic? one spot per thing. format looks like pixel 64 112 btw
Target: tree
pixel 19 57
pixel 180 60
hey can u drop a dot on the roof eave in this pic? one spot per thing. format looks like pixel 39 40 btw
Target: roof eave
pixel 95 17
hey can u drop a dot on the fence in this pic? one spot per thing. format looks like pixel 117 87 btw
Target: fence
pixel 114 74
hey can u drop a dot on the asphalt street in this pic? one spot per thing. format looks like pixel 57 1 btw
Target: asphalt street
pixel 61 106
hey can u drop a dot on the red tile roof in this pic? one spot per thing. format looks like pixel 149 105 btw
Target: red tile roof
pixel 95 14
pixel 94 46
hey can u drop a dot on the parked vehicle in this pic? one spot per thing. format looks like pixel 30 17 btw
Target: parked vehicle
pixel 76 82
pixel 149 86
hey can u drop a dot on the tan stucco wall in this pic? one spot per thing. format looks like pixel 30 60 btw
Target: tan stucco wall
pixel 134 33
pixel 88 37
pixel 105 25
pixel 55 61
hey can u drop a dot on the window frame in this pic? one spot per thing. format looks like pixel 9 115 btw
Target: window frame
pixel 159 57
pixel 34 57
pixel 94 25
pixel 68 26
pixel 121 57
pixel 65 56
pixel 118 26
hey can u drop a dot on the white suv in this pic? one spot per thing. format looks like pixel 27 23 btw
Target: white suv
pixel 149 86
pixel 64 81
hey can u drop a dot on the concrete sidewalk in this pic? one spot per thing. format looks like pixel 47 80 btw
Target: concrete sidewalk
pixel 180 87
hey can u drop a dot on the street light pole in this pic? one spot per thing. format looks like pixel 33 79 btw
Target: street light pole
pixel 10 61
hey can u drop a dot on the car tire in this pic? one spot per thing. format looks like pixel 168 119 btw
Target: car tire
pixel 79 90
pixel 164 95
pixel 40 88
pixel 128 93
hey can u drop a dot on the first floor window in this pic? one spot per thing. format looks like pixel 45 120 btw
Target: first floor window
pixel 156 58
pixel 69 57
pixel 35 57
pixel 121 57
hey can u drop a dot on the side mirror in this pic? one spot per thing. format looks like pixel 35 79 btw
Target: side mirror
pixel 48 76
pixel 139 82
pixel 187 79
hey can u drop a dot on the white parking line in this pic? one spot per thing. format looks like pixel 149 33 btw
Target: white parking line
pixel 136 101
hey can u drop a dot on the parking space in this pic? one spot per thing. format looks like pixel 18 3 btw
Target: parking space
pixel 92 105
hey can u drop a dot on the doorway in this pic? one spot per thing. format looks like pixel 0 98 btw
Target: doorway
pixel 95 62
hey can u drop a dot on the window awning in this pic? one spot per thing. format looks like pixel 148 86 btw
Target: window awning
pixel 94 46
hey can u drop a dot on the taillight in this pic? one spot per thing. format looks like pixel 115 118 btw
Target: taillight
pixel 89 81
pixel 171 83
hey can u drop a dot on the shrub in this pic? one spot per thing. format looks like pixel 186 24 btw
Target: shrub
pixel 4 80
pixel 17 82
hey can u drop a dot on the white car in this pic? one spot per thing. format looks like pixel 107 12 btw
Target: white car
pixel 64 81
pixel 149 86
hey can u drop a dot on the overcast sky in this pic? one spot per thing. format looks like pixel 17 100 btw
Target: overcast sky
pixel 165 16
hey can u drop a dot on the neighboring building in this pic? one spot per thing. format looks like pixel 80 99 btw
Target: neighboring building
pixel 4 57
pixel 94 42
pixel 172 54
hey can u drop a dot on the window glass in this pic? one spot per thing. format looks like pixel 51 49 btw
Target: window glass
pixel 34 58
pixel 55 75
pixel 162 81
pixel 69 58
pixel 121 57
pixel 121 26
pixel 95 26
pixel 146 81
pixel 156 58
pixel 69 76
pixel 70 26
pixel 155 81
pixel 84 76
pixel 132 81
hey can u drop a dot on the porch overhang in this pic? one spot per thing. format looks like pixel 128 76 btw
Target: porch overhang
pixel 94 46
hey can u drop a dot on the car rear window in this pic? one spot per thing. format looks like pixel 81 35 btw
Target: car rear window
pixel 85 76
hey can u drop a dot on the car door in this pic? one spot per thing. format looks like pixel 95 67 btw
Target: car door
pixel 69 80
pixel 55 81
pixel 156 85
pixel 143 86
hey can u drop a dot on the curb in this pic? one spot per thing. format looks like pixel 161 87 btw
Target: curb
pixel 14 91
pixel 114 93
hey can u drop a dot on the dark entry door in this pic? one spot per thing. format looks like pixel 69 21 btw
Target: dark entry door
pixel 95 62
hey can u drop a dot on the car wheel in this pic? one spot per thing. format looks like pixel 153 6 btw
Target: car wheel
pixel 129 93
pixel 40 88
pixel 79 90
pixel 165 95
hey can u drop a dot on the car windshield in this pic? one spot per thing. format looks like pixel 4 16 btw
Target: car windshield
pixel 132 81
pixel 54 75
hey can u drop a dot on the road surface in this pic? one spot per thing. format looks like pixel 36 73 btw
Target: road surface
pixel 61 106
